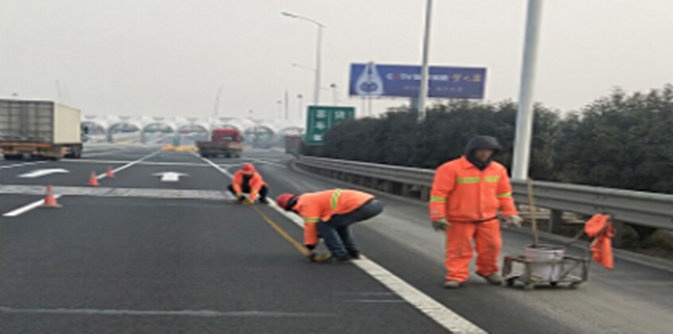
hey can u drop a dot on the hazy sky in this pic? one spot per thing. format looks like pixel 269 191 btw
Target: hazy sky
pixel 169 57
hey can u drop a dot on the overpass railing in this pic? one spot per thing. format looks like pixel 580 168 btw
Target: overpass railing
pixel 652 210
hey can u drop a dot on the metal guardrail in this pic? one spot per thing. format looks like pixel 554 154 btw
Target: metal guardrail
pixel 635 207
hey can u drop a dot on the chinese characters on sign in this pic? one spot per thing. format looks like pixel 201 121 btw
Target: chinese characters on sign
pixel 405 80
pixel 320 119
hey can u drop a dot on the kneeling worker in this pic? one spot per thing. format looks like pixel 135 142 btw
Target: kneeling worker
pixel 330 213
pixel 248 181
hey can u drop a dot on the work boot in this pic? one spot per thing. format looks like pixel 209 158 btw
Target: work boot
pixel 263 200
pixel 354 254
pixel 342 258
pixel 493 278
pixel 451 284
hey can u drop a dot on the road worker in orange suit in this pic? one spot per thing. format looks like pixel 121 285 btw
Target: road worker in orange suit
pixel 248 181
pixel 330 213
pixel 464 201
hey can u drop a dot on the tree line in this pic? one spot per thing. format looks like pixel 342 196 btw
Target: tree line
pixel 619 141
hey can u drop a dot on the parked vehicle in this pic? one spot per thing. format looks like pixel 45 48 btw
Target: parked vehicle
pixel 223 142
pixel 39 129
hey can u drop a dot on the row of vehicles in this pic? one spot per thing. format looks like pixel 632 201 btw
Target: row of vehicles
pixel 48 130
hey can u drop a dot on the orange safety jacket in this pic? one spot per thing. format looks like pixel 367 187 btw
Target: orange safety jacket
pixel 256 182
pixel 463 193
pixel 600 227
pixel 322 205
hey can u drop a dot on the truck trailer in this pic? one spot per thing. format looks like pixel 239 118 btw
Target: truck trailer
pixel 39 129
pixel 223 142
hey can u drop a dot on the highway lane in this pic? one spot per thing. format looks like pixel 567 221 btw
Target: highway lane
pixel 121 264
pixel 634 298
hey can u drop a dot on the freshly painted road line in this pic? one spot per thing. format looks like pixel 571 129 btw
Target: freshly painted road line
pixel 26 208
pixel 31 206
pixel 120 192
pixel 42 172
pixel 118 169
pixel 143 163
pixel 23 164
pixel 170 176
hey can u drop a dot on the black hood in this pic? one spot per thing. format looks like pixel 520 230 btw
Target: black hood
pixel 481 142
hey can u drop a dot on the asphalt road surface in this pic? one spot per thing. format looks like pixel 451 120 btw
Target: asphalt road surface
pixel 161 248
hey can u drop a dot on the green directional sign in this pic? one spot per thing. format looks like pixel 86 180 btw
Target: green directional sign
pixel 321 118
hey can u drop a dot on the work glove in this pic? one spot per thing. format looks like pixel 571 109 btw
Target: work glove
pixel 440 224
pixel 240 198
pixel 513 221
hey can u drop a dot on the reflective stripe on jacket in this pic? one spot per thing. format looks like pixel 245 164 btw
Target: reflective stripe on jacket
pixel 463 193
pixel 322 205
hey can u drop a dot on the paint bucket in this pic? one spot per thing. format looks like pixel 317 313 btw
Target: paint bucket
pixel 547 261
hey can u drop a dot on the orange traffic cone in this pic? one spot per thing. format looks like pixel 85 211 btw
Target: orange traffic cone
pixel 93 180
pixel 50 199
pixel 109 174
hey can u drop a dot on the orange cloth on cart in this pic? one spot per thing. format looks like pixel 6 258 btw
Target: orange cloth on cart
pixel 600 227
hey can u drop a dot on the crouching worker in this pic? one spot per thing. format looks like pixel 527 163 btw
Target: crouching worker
pixel 330 213
pixel 248 181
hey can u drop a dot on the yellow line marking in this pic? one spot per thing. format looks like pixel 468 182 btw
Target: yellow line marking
pixel 282 232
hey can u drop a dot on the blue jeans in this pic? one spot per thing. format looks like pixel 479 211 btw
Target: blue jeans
pixel 335 231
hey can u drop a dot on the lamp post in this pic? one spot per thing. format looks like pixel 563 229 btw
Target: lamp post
pixel 422 95
pixel 524 116
pixel 280 108
pixel 334 93
pixel 301 107
pixel 316 87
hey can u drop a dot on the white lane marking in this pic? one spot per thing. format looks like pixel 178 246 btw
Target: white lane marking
pixel 26 208
pixel 43 172
pixel 121 192
pixel 162 313
pixel 424 303
pixel 223 171
pixel 144 163
pixel 118 169
pixel 36 204
pixel 23 164
pixel 170 176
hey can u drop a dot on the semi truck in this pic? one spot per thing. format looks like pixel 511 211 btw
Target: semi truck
pixel 39 129
pixel 223 142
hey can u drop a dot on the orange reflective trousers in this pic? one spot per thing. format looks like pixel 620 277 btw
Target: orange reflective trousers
pixel 459 236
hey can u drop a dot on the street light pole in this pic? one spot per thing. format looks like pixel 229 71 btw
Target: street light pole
pixel 524 118
pixel 286 104
pixel 301 107
pixel 422 95
pixel 316 88
pixel 334 94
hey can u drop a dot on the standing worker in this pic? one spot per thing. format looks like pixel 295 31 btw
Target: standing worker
pixel 464 201
pixel 330 213
pixel 248 181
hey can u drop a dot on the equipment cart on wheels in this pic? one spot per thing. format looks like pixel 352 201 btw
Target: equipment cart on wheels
pixel 567 270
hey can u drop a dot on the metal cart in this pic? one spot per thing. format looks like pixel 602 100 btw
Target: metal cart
pixel 569 270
